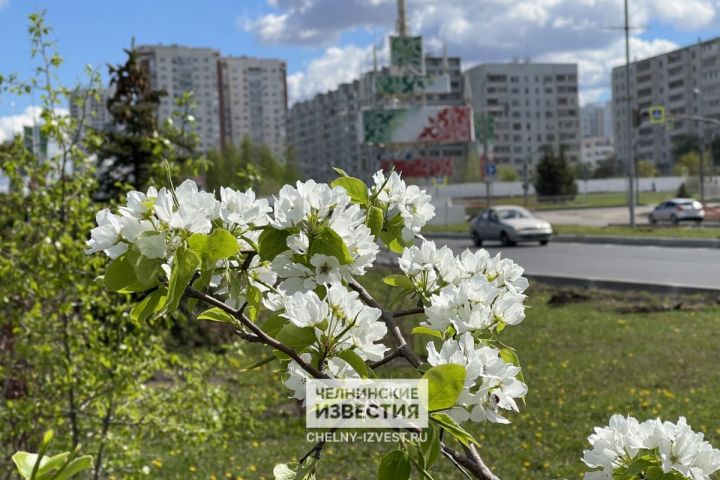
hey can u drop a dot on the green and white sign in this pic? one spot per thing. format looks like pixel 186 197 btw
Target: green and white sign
pixel 411 84
pixel 406 52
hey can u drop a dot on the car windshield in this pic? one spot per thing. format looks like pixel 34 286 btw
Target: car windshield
pixel 511 213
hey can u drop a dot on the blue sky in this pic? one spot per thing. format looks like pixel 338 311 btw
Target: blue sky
pixel 326 42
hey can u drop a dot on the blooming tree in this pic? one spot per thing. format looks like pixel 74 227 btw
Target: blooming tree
pixel 628 449
pixel 286 276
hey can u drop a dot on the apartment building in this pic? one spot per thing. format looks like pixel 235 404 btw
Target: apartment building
pixel 686 82
pixel 594 150
pixel 533 105
pixel 596 120
pixel 253 96
pixel 323 131
pixel 177 69
pixel 91 108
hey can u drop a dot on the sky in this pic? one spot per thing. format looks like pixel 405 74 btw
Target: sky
pixel 327 42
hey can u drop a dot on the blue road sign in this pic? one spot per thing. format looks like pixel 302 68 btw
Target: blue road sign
pixel 490 169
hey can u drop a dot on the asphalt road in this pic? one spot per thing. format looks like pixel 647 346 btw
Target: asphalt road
pixel 668 267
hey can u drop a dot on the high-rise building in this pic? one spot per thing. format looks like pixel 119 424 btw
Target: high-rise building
pixel 532 105
pixel 253 96
pixel 685 82
pixel 176 70
pixel 594 150
pixel 596 120
pixel 91 108
pixel 323 132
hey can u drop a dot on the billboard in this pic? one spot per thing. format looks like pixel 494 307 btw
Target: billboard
pixel 406 52
pixel 412 84
pixel 421 167
pixel 430 124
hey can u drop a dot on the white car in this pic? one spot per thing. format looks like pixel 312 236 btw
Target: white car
pixel 677 210
pixel 509 225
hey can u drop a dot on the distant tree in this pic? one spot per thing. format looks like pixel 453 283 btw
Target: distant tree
pixel 685 144
pixel 689 164
pixel 583 171
pixel 645 168
pixel 247 166
pixel 127 151
pixel 683 191
pixel 554 176
pixel 608 168
pixel 507 173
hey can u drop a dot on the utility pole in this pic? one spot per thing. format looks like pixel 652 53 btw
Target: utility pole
pixel 628 107
pixel 401 26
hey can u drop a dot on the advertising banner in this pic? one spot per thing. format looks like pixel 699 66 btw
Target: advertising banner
pixel 432 124
pixel 422 167
pixel 412 84
pixel 406 52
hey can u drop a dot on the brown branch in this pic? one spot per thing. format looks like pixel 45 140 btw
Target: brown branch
pixel 387 358
pixel 472 462
pixel 392 325
pixel 407 313
pixel 262 337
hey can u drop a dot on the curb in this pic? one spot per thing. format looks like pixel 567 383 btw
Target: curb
pixel 619 285
pixel 607 239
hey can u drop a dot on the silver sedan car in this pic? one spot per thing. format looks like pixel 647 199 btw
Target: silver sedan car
pixel 509 225
pixel 677 210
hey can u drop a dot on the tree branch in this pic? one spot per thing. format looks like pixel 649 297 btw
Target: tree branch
pixel 407 313
pixel 392 325
pixel 472 462
pixel 262 337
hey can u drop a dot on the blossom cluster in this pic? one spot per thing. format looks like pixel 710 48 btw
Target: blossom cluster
pixel 409 202
pixel 470 296
pixel 672 447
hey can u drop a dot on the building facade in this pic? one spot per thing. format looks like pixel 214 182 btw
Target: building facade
pixel 686 82
pixel 91 108
pixel 594 150
pixel 324 131
pixel 253 100
pixel 596 120
pixel 532 105
pixel 176 70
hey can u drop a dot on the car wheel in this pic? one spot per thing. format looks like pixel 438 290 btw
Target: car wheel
pixel 477 241
pixel 674 219
pixel 505 240
pixel 544 242
pixel 652 219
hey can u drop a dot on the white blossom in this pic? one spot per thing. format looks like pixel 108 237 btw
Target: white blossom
pixel 106 236
pixel 327 268
pixel 243 209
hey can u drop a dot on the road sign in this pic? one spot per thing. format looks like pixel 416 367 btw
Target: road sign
pixel 490 170
pixel 657 114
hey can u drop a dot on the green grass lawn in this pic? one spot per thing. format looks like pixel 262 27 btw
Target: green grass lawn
pixel 583 362
pixel 640 231
pixel 590 200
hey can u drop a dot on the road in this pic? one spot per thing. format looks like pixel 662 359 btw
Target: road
pixel 599 217
pixel 668 267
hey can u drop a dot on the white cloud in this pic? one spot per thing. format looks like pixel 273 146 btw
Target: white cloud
pixel 4 3
pixel 337 65
pixel 579 31
pixel 13 124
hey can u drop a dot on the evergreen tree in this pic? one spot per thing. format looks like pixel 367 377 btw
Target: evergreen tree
pixel 554 176
pixel 127 152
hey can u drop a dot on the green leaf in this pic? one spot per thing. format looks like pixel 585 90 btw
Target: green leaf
pixel 394 466
pixel 425 474
pixel 216 314
pixel 25 462
pixel 430 447
pixel 119 274
pixel 375 220
pixel 219 245
pixel 149 305
pixel 445 384
pixel 185 265
pixel 451 426
pixel 329 243
pixel 295 337
pixel 356 188
pixel 78 465
pixel 273 324
pixel 357 363
pixel 258 364
pixel 254 300
pixel 427 331
pixel 340 172
pixel 272 242
pixel 398 280
pixel 146 269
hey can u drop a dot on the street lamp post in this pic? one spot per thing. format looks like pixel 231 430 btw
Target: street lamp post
pixel 701 135
pixel 629 115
